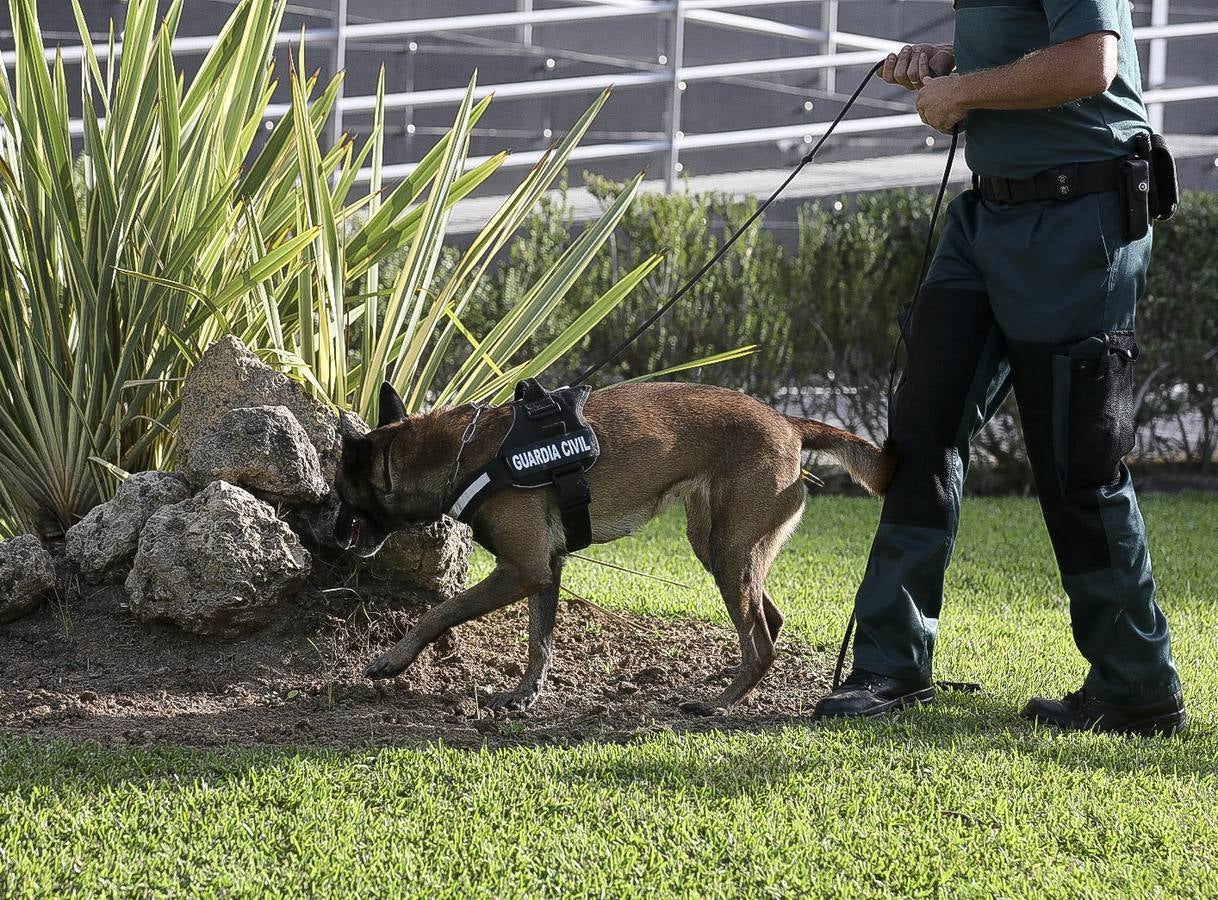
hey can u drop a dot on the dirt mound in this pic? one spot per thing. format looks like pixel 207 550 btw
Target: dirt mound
pixel 89 671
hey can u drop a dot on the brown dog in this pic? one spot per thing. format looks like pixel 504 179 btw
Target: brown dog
pixel 735 463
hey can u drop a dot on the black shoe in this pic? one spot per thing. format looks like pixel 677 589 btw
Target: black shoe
pixel 1080 711
pixel 867 694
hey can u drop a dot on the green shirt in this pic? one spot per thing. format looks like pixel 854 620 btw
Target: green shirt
pixel 1021 143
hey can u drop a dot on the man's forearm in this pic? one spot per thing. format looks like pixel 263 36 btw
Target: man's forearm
pixel 1046 78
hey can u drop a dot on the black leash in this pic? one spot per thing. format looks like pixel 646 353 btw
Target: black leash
pixel 968 687
pixel 684 289
pixel 927 252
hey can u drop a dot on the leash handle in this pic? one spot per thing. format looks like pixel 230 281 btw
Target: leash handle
pixel 719 254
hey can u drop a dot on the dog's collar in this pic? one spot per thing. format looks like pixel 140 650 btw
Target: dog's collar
pixel 447 507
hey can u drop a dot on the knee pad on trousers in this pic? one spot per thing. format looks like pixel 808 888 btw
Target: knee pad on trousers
pixel 922 488
pixel 946 339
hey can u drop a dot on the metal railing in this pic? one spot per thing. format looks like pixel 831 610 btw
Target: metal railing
pixel 677 76
pixel 672 72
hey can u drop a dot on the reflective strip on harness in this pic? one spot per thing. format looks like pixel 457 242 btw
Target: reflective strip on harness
pixel 469 494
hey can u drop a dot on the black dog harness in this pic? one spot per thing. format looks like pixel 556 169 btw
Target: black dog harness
pixel 550 443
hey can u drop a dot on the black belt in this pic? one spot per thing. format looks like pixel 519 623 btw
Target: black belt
pixel 1062 183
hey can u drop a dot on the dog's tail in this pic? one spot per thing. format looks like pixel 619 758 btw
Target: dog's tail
pixel 867 464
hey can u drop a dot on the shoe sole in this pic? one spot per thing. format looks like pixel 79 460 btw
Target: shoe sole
pixel 917 698
pixel 1159 726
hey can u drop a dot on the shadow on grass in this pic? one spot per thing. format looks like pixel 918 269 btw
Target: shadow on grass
pixel 728 759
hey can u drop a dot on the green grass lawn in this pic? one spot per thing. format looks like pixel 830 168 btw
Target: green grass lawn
pixel 962 798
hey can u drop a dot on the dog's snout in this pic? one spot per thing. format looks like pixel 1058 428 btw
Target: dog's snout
pixel 346 528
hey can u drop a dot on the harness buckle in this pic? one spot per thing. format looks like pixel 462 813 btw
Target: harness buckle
pixel 542 409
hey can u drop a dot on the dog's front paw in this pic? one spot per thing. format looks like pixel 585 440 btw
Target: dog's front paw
pixel 386 666
pixel 699 708
pixel 514 701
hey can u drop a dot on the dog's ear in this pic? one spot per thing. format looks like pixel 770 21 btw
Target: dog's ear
pixel 355 441
pixel 393 410
pixel 357 454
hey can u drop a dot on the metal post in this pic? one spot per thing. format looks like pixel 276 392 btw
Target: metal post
pixel 525 32
pixel 412 50
pixel 340 65
pixel 1156 67
pixel 828 24
pixel 676 52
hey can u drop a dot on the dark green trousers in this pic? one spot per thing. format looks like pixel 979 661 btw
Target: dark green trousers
pixel 1038 297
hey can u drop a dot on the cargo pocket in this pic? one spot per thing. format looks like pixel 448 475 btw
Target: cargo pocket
pixel 1093 398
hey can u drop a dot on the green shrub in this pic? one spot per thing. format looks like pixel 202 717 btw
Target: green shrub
pixel 1178 329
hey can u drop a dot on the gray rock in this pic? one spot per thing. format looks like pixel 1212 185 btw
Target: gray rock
pixel 104 541
pixel 432 557
pixel 27 576
pixel 262 449
pixel 230 377
pixel 217 564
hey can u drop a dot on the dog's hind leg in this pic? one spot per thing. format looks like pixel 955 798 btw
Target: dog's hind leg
pixel 773 616
pixel 742 549
pixel 543 609
pixel 698 529
pixel 504 585
pixel 743 595
pixel 698 526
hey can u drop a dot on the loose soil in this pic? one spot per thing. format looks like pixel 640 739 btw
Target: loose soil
pixel 86 670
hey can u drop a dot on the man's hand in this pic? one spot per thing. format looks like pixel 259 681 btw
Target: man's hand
pixel 916 62
pixel 940 104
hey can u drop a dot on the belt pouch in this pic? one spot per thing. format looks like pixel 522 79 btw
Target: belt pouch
pixel 1163 173
pixel 1135 198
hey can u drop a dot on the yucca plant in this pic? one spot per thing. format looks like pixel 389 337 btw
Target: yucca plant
pixel 127 249
pixel 89 354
